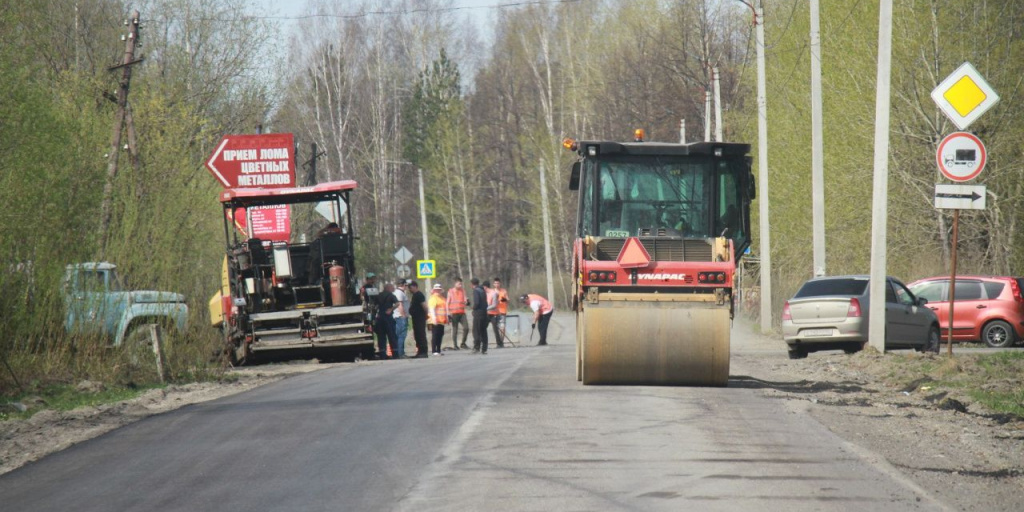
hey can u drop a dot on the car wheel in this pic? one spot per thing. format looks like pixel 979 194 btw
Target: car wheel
pixel 932 345
pixel 138 345
pixel 998 334
pixel 853 348
pixel 797 353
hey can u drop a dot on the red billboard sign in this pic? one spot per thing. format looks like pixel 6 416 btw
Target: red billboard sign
pixel 268 222
pixel 254 161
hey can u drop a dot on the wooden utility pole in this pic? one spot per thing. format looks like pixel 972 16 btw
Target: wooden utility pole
pixel 131 42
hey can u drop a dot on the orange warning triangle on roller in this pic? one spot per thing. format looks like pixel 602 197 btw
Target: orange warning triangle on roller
pixel 633 254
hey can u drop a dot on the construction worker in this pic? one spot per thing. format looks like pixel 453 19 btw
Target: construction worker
pixel 437 317
pixel 369 302
pixel 542 311
pixel 497 315
pixel 330 229
pixel 370 282
pixel 384 326
pixel 479 317
pixel 401 315
pixel 457 303
pixel 418 316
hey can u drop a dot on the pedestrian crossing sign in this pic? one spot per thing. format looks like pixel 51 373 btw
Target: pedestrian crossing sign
pixel 425 269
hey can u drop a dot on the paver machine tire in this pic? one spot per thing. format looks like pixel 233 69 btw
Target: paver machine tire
pixel 654 343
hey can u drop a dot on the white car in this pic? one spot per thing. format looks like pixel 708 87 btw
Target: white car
pixel 831 313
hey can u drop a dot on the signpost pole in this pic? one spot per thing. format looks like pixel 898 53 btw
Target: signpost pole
pixel 952 281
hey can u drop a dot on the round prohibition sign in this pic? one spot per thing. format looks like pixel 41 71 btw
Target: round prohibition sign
pixel 961 156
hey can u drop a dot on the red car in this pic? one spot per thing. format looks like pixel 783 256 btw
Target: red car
pixel 987 308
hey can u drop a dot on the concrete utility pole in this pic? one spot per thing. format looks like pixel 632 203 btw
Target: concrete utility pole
pixel 423 225
pixel 880 195
pixel 762 173
pixel 718 103
pixel 817 151
pixel 707 115
pixel 547 232
pixel 131 41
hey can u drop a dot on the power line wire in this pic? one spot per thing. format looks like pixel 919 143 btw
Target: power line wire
pixel 420 10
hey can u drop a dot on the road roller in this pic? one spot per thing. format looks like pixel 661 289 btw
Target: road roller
pixel 660 231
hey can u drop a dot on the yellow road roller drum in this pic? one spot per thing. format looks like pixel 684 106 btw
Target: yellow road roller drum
pixel 671 341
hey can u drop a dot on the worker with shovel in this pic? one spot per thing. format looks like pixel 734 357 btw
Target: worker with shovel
pixel 542 311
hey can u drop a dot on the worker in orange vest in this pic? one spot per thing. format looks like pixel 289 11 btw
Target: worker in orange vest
pixel 497 315
pixel 437 317
pixel 542 311
pixel 457 313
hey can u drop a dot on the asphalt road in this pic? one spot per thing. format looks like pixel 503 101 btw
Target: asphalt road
pixel 511 430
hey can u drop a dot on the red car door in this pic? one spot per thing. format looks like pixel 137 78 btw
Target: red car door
pixel 969 306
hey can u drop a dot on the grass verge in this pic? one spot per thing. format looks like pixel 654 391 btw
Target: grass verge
pixel 63 397
pixel 994 380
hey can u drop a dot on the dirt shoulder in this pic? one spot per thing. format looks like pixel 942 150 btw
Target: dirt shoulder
pixel 910 409
pixel 49 431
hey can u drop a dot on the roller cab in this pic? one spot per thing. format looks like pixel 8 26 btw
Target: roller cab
pixel 660 230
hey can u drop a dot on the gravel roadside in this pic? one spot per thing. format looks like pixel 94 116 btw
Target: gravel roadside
pixel 955 449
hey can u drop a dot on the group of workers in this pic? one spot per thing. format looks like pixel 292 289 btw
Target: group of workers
pixel 396 304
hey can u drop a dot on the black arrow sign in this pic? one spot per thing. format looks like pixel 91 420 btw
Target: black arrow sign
pixel 973 196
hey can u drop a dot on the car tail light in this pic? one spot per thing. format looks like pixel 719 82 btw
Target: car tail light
pixel 854 309
pixel 786 314
pixel 1015 288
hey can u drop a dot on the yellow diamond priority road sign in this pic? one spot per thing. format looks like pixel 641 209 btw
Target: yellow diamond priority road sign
pixel 964 96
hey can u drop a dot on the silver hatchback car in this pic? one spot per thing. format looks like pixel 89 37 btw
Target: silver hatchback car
pixel 831 313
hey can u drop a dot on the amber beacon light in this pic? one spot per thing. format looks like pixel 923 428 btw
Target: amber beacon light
pixel 638 135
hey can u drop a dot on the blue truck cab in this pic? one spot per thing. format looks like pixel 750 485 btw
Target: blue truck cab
pixel 97 303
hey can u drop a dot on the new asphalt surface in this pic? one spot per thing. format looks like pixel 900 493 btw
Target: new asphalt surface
pixel 510 430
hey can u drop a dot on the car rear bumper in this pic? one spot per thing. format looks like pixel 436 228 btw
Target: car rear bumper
pixel 823 340
pixel 850 330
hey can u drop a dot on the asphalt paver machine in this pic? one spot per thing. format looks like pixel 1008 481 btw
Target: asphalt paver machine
pixel 295 296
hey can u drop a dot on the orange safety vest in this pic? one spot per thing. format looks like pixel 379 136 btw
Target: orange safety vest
pixel 457 301
pixel 492 299
pixel 502 301
pixel 545 306
pixel 437 310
